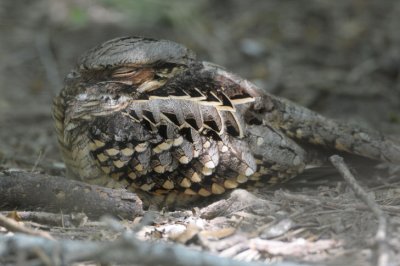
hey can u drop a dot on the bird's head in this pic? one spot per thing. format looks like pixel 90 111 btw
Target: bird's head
pixel 143 63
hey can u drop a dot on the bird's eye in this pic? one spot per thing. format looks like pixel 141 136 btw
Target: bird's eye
pixel 124 72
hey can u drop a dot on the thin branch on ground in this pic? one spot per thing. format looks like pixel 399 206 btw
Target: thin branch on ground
pixel 37 161
pixel 126 250
pixel 238 200
pixel 381 234
pixel 48 61
pixel 44 163
pixel 50 219
pixel 14 226
pixel 329 203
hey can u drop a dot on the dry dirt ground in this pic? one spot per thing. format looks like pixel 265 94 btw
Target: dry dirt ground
pixel 340 58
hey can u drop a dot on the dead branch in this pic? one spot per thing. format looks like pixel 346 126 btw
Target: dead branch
pixel 238 200
pixel 297 248
pixel 50 219
pixel 318 201
pixel 48 61
pixel 126 250
pixel 32 191
pixel 14 226
pixel 381 234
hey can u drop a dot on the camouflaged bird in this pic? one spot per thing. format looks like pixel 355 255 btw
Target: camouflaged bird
pixel 144 114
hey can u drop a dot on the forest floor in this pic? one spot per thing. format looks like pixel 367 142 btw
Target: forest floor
pixel 339 58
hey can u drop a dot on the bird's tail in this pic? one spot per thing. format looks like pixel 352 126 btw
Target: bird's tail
pixel 309 127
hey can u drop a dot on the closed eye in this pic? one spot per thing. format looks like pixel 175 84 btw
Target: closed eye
pixel 124 72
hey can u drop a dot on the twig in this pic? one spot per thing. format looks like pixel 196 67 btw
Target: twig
pixel 37 161
pixel 314 201
pixel 126 250
pixel 48 61
pixel 238 200
pixel 297 248
pixel 51 219
pixel 14 226
pixel 45 163
pixel 32 191
pixel 381 233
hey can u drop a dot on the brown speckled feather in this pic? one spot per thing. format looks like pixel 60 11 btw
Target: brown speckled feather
pixel 144 114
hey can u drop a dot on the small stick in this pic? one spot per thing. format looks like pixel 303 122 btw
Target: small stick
pixel 125 250
pixel 37 161
pixel 309 200
pixel 48 61
pixel 381 232
pixel 14 226
pixel 48 218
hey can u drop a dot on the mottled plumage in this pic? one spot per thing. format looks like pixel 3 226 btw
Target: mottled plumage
pixel 146 115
